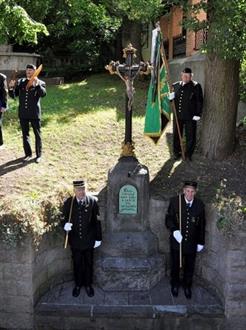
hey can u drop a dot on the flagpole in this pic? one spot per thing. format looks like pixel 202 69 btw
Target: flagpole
pixel 69 220
pixel 180 228
pixel 172 103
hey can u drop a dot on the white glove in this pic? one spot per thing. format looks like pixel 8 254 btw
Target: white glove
pixel 68 226
pixel 171 96
pixel 199 248
pixel 196 118
pixel 177 235
pixel 97 243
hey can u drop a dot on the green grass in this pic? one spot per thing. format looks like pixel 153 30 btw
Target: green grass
pixel 82 129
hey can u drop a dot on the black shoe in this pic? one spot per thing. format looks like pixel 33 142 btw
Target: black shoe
pixel 27 158
pixel 89 290
pixel 175 290
pixel 38 159
pixel 76 291
pixel 188 293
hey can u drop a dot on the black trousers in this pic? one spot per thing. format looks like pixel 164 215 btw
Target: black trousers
pixel 83 266
pixel 190 135
pixel 36 125
pixel 188 263
pixel 1 133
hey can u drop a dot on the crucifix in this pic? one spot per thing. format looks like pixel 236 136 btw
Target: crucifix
pixel 128 71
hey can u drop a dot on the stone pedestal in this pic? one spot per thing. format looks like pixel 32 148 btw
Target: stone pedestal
pixel 129 257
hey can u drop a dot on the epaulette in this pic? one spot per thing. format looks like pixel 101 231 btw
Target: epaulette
pixel 3 76
pixel 21 80
pixel 194 82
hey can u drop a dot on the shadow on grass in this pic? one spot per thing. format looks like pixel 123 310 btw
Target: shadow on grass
pixel 14 165
pixel 97 93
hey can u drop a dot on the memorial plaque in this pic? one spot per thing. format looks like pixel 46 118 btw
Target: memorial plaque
pixel 128 200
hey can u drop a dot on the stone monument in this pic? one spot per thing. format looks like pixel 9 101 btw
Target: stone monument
pixel 129 258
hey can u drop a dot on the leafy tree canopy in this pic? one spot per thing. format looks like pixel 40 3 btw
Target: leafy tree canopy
pixel 16 23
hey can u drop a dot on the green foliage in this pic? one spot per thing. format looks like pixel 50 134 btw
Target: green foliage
pixel 78 28
pixel 138 10
pixel 35 217
pixel 16 24
pixel 231 211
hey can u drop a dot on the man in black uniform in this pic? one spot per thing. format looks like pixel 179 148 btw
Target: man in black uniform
pixel 190 239
pixel 3 102
pixel 188 100
pixel 29 109
pixel 84 234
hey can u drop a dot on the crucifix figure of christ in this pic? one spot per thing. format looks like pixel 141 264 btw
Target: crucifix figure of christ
pixel 128 71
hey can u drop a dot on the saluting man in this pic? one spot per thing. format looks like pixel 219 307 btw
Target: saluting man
pixel 188 100
pixel 190 239
pixel 29 109
pixel 84 234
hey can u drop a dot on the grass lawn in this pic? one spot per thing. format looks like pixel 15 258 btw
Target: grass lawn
pixel 82 129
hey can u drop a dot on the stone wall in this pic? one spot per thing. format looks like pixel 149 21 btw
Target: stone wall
pixel 221 266
pixel 51 265
pixel 26 273
pixel 10 61
pixel 16 298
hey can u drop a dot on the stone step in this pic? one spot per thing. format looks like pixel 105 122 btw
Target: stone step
pixel 131 317
pixel 131 264
pixel 133 310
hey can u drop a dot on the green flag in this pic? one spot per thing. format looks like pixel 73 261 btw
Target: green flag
pixel 158 109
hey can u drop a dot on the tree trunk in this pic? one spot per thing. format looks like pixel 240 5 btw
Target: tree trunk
pixel 220 107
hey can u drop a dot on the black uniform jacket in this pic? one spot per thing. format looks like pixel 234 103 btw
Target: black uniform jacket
pixel 188 100
pixel 193 223
pixel 3 91
pixel 29 100
pixel 86 227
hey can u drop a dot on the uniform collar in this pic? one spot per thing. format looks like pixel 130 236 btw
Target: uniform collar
pixel 83 200
pixel 184 84
pixel 189 202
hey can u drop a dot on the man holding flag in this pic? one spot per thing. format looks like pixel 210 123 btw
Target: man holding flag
pixel 188 101
pixel 29 90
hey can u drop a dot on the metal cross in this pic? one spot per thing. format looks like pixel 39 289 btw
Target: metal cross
pixel 128 71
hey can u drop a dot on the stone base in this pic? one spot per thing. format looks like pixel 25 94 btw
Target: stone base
pixel 128 258
pixel 129 273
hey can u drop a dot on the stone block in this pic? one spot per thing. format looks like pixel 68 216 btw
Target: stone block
pixel 18 304
pixel 128 171
pixel 158 209
pixel 116 298
pixel 118 273
pixel 16 321
pixel 16 288
pixel 16 271
pixel 129 243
